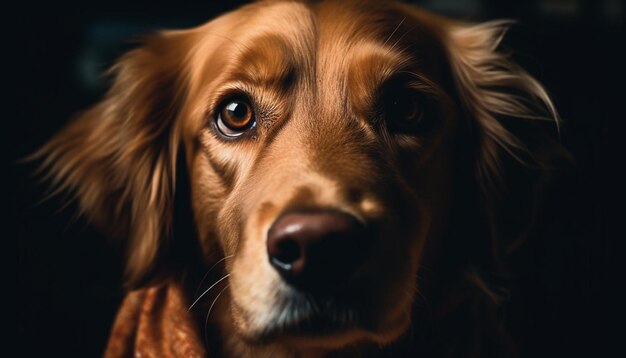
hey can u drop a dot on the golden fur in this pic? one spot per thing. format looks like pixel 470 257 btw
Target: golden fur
pixel 314 72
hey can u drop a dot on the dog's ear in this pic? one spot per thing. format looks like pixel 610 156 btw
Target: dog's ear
pixel 512 123
pixel 118 158
pixel 493 89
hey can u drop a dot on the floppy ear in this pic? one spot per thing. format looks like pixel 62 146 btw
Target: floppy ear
pixel 505 109
pixel 119 157
pixel 492 88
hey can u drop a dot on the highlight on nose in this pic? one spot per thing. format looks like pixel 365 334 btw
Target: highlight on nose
pixel 316 250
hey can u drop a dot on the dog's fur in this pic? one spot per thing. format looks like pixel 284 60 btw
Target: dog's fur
pixel 315 74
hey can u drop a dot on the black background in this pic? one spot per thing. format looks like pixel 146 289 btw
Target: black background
pixel 68 274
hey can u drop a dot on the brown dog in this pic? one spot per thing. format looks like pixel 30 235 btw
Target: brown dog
pixel 325 146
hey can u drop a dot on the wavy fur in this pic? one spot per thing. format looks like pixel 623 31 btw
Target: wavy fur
pixel 119 158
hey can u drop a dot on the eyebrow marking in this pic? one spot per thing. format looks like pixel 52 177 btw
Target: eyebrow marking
pixel 268 60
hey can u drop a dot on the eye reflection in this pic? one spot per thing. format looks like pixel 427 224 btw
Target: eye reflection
pixel 234 118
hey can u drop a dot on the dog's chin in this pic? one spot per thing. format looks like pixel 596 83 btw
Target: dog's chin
pixel 324 325
pixel 330 328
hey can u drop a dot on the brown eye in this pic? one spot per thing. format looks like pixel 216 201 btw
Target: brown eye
pixel 234 118
pixel 405 110
pixel 408 110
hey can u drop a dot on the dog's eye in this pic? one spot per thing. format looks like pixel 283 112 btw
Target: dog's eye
pixel 406 111
pixel 234 117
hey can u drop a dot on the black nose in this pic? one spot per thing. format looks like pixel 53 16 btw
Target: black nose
pixel 317 250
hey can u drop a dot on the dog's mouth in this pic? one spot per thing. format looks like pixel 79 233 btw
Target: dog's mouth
pixel 314 321
pixel 319 324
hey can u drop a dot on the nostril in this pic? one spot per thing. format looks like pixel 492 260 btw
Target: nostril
pixel 286 252
pixel 310 247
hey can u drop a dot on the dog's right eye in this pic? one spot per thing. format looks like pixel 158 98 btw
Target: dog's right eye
pixel 235 117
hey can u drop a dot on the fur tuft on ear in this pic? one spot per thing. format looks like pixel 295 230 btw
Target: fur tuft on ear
pixel 492 87
pixel 118 158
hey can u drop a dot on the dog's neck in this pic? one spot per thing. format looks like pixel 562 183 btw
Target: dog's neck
pixel 155 322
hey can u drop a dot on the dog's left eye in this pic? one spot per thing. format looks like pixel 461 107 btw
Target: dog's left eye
pixel 234 117
pixel 407 111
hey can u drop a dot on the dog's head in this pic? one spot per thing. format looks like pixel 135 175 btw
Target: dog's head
pixel 321 143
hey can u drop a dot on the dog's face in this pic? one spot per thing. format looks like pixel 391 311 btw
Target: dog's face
pixel 320 161
pixel 321 142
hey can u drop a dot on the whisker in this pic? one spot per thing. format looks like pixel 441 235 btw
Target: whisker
pixel 206 321
pixel 207 291
pixel 209 271
pixel 421 300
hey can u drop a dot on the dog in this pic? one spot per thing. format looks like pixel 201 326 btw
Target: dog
pixel 326 172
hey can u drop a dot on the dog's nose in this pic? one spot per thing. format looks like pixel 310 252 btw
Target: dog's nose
pixel 317 250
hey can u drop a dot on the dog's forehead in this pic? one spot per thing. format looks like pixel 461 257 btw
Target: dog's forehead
pixel 270 41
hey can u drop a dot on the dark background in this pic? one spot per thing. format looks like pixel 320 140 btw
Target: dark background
pixel 68 274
